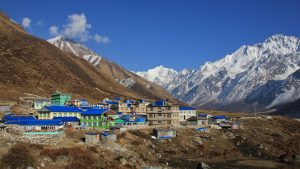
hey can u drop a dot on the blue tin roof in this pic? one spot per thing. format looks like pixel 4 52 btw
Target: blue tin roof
pixel 160 103
pixel 62 109
pixel 140 119
pixel 105 133
pixel 12 117
pixel 142 101
pixel 66 119
pixel 202 129
pixel 219 117
pixel 202 115
pixel 88 107
pixel 185 108
pixel 94 111
pixel 36 122
pixel 128 101
pixel 128 118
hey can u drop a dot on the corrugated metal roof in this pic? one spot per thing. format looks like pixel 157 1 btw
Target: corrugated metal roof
pixel 202 115
pixel 160 103
pixel 63 109
pixel 185 108
pixel 219 117
pixel 36 122
pixel 94 111
pixel 12 117
pixel 128 118
pixel 66 119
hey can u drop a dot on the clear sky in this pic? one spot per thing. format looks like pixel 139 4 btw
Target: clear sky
pixel 142 34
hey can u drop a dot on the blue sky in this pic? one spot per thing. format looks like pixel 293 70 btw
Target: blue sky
pixel 142 34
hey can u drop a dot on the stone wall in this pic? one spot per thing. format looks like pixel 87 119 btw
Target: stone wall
pixel 32 139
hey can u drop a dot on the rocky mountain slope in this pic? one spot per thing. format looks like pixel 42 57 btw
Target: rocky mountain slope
pixel 260 74
pixel 32 65
pixel 131 81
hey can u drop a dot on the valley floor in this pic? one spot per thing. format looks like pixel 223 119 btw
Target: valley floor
pixel 258 145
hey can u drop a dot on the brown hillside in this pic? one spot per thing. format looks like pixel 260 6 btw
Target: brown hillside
pixel 32 65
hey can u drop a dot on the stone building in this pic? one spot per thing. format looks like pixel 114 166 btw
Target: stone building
pixel 162 113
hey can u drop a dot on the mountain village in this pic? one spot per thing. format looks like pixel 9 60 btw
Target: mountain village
pixel 53 115
pixel 64 106
pixel 113 125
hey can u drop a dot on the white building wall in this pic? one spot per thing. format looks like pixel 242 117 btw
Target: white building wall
pixel 185 114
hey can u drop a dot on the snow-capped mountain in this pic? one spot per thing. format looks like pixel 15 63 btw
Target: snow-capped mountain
pixel 276 92
pixel 111 70
pixel 78 49
pixel 159 75
pixel 237 78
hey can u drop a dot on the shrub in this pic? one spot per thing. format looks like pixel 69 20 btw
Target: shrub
pixel 79 158
pixel 18 157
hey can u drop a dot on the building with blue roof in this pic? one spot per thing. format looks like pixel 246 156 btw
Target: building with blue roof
pixel 141 107
pixel 218 119
pixel 111 104
pixel 38 126
pixel 12 117
pixel 162 113
pixel 126 107
pixel 49 112
pixel 186 113
pixel 185 108
pixel 73 121
pixel 132 120
pixel 160 103
pixel 98 118
pixel 203 115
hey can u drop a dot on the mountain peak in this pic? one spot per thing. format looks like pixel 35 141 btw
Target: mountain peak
pixel 56 38
pixel 70 45
pixel 280 37
pixel 62 38
pixel 159 75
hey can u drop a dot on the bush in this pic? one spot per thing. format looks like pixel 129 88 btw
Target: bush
pixel 79 158
pixel 18 157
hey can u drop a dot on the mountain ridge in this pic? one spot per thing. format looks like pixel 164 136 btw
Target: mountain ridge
pixel 230 80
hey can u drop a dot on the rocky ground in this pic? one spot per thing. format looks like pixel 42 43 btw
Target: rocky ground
pixel 263 143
